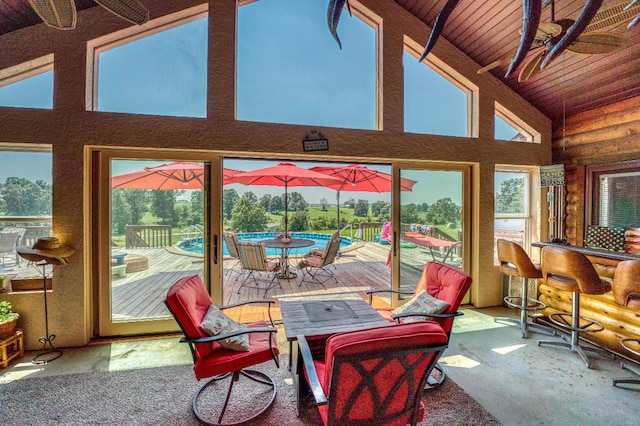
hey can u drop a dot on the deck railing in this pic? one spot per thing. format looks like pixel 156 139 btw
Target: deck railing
pixel 147 236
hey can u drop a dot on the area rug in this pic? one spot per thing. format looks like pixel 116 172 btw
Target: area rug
pixel 162 396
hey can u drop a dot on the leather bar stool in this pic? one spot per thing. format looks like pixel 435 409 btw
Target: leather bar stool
pixel 515 261
pixel 569 270
pixel 626 292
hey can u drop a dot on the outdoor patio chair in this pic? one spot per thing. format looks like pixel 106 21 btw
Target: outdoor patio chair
pixel 253 258
pixel 315 269
pixel 192 307
pixel 9 240
pixel 374 376
pixel 231 240
pixel 443 283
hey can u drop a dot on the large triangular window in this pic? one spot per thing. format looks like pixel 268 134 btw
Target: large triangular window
pixel 160 71
pixel 28 85
pixel 509 127
pixel 437 100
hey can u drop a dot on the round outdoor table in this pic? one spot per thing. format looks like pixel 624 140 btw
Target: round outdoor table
pixel 276 243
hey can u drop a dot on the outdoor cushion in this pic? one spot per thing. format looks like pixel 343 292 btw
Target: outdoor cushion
pixel 215 322
pixel 423 303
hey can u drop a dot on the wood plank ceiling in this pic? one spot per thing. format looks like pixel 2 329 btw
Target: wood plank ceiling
pixel 487 30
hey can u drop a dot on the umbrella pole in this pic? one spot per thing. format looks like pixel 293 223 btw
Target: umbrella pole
pixel 338 201
pixel 286 215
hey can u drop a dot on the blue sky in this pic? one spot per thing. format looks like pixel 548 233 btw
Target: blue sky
pixel 289 70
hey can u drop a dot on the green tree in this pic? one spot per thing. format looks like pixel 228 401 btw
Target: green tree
pixel 362 208
pixel 120 211
pixel 378 207
pixel 424 207
pixel 26 198
pixel 183 212
pixel 163 206
pixel 510 199
pixel 443 211
pixel 265 201
pixel 248 216
pixel 299 221
pixel 196 216
pixel 251 196
pixel 297 202
pixel 350 203
pixel 229 199
pixel 324 204
pixel 138 203
pixel 409 213
pixel 277 204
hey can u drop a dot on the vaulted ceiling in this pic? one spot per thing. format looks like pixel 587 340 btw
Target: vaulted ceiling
pixel 487 31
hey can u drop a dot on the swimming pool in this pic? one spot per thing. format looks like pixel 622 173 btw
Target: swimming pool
pixel 194 245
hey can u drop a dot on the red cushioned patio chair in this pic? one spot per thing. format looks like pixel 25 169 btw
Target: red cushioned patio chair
pixel 189 301
pixel 443 282
pixel 374 376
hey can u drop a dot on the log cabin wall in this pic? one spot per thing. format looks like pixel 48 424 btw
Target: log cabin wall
pixel 608 134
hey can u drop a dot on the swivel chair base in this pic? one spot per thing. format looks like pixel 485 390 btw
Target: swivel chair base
pixel 625 366
pixel 254 375
pixel 526 305
pixel 561 320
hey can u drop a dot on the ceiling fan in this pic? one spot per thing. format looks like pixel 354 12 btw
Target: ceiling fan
pixel 61 14
pixel 592 40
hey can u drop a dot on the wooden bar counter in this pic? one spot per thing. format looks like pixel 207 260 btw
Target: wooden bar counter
pixel 619 321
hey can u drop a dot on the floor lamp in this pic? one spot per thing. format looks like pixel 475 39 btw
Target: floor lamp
pixel 553 178
pixel 46 251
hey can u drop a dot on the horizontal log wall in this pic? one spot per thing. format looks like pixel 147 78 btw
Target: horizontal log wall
pixel 604 135
pixel 619 321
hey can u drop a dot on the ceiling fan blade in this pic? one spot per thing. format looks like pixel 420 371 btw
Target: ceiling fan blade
pixel 494 64
pixel 612 15
pixel 60 14
pixel 532 67
pixel 130 10
pixel 595 43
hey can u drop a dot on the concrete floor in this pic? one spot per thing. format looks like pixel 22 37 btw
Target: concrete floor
pixel 517 381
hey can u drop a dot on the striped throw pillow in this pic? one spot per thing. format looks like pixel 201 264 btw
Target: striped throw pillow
pixel 632 240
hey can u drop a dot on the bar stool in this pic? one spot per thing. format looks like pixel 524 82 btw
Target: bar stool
pixel 515 261
pixel 626 292
pixel 569 270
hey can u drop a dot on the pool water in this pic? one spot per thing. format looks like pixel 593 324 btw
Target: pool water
pixel 194 245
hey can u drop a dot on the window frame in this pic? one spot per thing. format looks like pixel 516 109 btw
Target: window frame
pixel 592 190
pixel 531 135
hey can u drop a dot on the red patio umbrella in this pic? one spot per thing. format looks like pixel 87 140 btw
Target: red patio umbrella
pixel 176 175
pixel 359 178
pixel 284 174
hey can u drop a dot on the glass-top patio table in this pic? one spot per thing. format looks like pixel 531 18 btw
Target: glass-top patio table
pixel 276 243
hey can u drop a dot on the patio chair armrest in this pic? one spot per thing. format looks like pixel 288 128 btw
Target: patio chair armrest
pixel 370 293
pixel 253 301
pixel 210 339
pixel 310 368
pixel 233 305
pixel 397 317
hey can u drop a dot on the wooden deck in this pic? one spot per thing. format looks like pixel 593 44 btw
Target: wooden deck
pixel 140 295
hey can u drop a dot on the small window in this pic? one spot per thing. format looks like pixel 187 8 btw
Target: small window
pixel 511 206
pixel 615 194
pixel 28 85
pixel 162 71
pixel 508 127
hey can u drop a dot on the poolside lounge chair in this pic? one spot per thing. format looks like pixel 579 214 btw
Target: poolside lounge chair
pixel 253 257
pixel 315 268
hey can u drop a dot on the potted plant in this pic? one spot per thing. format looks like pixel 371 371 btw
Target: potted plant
pixel 8 318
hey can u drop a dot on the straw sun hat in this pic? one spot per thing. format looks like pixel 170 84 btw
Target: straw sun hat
pixel 48 249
